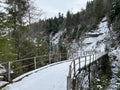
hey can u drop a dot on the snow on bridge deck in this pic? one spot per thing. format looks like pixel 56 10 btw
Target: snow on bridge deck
pixel 50 77
pixel 46 78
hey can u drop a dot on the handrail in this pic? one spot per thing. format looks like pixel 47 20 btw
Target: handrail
pixel 76 61
pixel 11 67
pixel 76 66
pixel 24 59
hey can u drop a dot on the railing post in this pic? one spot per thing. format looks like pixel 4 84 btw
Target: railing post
pixel 93 57
pixel 49 57
pixel 69 83
pixel 70 71
pixel 79 64
pixel 89 77
pixel 9 71
pixel 74 83
pixel 85 61
pixel 35 65
pixel 74 67
pixel 61 56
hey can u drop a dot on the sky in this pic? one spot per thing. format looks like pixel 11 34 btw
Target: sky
pixel 51 8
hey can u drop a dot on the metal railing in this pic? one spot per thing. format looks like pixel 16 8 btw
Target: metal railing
pixel 79 63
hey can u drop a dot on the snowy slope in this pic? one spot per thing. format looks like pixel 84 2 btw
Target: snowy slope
pixel 96 40
pixel 55 39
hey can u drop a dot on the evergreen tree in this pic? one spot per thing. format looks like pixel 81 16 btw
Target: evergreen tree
pixel 99 9
pixel 17 11
pixel 68 20
pixel 60 18
pixel 115 10
pixel 6 44
pixel 3 17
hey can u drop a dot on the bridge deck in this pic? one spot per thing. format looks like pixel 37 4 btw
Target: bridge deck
pixel 49 78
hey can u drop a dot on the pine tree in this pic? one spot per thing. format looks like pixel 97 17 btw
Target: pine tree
pixel 6 49
pixel 115 10
pixel 3 17
pixel 68 20
pixel 99 9
pixel 17 11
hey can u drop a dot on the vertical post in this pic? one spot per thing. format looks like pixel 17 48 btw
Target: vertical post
pixel 93 57
pixel 49 57
pixel 70 71
pixel 74 84
pixel 61 56
pixel 8 71
pixel 74 80
pixel 69 83
pixel 85 61
pixel 89 73
pixel 79 65
pixel 74 67
pixel 72 55
pixel 77 54
pixel 90 58
pixel 35 66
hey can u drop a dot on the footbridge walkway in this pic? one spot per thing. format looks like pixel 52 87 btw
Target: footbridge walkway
pixel 72 74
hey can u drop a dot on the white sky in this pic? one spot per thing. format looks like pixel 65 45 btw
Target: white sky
pixel 51 8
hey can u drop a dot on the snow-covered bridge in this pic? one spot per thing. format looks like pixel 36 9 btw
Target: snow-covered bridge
pixel 53 76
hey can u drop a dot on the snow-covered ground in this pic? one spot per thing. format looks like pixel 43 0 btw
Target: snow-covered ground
pixel 2 83
pixel 46 78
